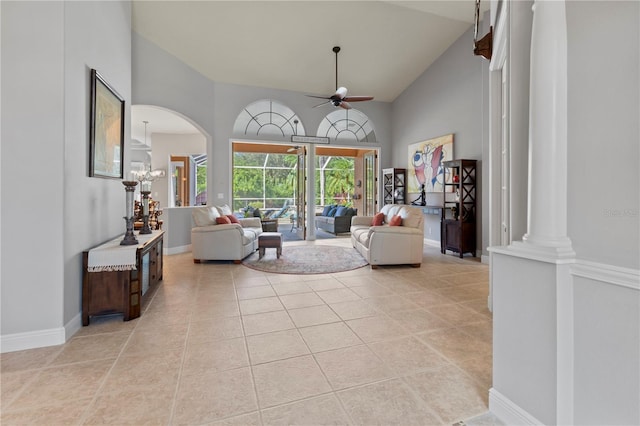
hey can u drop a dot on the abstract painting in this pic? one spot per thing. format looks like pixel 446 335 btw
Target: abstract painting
pixel 425 163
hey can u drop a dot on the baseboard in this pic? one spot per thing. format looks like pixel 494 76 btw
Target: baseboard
pixel 484 258
pixel 32 339
pixel 73 326
pixel 176 250
pixel 431 243
pixel 508 412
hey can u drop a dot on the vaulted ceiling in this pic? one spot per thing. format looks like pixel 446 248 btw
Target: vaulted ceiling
pixel 288 45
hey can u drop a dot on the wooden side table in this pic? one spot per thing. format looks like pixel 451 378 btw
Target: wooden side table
pixel 122 291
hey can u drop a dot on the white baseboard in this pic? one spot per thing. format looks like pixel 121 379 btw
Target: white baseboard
pixel 73 326
pixel 431 243
pixel 32 339
pixel 508 412
pixel 485 259
pixel 41 338
pixel 176 250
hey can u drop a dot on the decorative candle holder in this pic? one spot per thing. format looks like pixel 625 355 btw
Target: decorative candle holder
pixel 146 229
pixel 129 238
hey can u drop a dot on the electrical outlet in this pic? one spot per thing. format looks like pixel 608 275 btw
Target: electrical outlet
pixel 429 230
pixel 220 195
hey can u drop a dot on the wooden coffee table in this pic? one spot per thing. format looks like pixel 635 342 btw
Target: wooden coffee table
pixel 269 240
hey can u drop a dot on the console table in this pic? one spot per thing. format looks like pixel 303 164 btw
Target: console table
pixel 118 279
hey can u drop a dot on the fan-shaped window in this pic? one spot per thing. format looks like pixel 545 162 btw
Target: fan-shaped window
pixel 347 124
pixel 267 117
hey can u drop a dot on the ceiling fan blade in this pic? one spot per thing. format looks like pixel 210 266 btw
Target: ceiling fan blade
pixel 322 104
pixel 358 98
pixel 319 97
pixel 345 105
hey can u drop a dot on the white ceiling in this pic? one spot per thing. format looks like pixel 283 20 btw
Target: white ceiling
pixel 288 45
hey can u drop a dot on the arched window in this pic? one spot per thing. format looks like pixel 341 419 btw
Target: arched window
pixel 267 117
pixel 347 124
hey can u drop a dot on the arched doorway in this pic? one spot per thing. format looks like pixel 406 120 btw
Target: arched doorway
pixel 166 140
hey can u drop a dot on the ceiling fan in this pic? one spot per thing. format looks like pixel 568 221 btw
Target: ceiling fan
pixel 340 98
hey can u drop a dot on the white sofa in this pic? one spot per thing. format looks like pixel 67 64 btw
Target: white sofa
pixel 212 241
pixel 390 245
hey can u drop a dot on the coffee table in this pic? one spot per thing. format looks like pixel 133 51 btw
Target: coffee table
pixel 269 240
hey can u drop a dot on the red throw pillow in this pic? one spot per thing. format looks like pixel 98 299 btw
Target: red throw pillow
pixel 233 219
pixel 378 219
pixel 223 220
pixel 395 221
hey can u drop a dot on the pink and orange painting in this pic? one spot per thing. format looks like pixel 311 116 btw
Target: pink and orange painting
pixel 425 163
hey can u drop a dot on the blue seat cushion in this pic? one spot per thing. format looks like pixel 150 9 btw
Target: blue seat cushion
pixel 325 211
pixel 332 211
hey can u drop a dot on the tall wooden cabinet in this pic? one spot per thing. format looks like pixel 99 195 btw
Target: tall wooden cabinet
pixel 458 222
pixel 394 186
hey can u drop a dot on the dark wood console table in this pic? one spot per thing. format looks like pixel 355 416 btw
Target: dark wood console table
pixel 121 287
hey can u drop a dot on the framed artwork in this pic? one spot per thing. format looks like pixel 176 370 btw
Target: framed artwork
pixel 106 134
pixel 425 163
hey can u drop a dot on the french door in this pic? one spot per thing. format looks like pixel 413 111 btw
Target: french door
pixel 301 194
pixel 370 183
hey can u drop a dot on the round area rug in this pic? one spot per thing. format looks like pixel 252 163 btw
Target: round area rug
pixel 316 259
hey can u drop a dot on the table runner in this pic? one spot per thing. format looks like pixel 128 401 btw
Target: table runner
pixel 111 256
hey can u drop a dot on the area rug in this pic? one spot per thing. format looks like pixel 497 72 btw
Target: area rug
pixel 316 259
pixel 290 235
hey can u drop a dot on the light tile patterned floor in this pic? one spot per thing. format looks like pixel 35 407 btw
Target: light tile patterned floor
pixel 223 344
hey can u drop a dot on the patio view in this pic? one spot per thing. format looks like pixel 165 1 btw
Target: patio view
pixel 267 182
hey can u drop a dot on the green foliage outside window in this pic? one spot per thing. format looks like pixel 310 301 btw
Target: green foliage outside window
pixel 267 181
pixel 338 180
pixel 201 178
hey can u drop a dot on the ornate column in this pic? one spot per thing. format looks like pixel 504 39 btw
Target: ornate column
pixel 547 206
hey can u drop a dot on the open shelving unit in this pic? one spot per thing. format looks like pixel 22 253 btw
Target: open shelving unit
pixel 394 186
pixel 458 217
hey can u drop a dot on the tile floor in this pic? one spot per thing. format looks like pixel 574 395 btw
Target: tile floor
pixel 223 344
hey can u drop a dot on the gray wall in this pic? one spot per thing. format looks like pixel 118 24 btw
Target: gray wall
pixel 32 179
pixel 51 209
pixel 448 98
pixel 603 205
pixel 603 131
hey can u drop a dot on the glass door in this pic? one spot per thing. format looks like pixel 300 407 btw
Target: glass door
pixel 370 183
pixel 301 194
